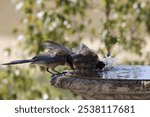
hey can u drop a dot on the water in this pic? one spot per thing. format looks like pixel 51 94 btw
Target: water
pixel 127 72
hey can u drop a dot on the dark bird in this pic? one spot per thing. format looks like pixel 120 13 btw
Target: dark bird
pixel 56 56
pixel 85 58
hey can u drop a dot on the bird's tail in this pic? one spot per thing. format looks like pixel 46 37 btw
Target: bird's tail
pixel 18 62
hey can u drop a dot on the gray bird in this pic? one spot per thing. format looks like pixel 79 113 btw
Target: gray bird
pixel 81 58
pixel 55 49
pixel 56 56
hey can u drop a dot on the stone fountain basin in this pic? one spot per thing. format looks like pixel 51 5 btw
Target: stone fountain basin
pixel 121 82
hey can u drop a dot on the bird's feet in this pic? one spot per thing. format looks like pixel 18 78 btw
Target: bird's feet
pixel 55 77
pixel 58 75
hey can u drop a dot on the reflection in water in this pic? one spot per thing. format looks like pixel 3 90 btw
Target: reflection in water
pixel 127 72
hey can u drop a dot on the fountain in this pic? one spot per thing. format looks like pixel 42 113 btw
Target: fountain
pixel 120 82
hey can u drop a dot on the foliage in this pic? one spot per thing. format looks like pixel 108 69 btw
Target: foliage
pixel 126 20
pixel 18 83
pixel 53 20
pixel 42 20
pixel 124 23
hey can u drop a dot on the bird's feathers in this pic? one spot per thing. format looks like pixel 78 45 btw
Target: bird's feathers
pixel 18 62
pixel 56 48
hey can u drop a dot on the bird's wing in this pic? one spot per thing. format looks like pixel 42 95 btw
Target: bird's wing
pixel 55 47
pixel 80 48
pixel 84 50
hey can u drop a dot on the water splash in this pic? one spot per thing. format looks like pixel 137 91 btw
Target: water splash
pixel 110 62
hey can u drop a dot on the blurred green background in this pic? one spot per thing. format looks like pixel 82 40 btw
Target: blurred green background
pixel 110 27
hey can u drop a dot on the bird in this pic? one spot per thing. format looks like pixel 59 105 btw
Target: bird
pixel 56 56
pixel 56 49
pixel 86 58
pixel 81 57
